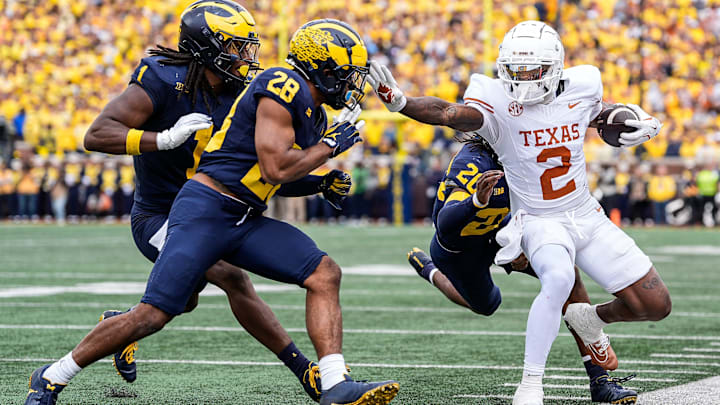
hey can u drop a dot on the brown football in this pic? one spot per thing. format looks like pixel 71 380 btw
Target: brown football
pixel 611 123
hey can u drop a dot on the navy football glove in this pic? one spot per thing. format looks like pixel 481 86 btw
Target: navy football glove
pixel 335 187
pixel 342 136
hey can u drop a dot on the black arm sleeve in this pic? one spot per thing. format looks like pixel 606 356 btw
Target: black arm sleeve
pixel 308 185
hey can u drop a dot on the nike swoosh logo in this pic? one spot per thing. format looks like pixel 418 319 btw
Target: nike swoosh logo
pixel 598 209
pixel 571 106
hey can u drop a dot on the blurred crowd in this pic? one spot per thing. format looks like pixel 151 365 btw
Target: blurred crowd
pixel 66 58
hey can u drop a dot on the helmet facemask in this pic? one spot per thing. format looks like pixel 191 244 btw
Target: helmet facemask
pixel 529 83
pixel 244 50
pixel 344 86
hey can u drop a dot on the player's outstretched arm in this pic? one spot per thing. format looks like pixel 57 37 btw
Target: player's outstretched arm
pixel 113 131
pixel 429 110
pixel 274 139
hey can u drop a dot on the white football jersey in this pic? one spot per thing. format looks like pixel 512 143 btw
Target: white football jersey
pixel 541 145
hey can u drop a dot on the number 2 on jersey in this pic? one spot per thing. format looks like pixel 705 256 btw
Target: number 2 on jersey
pixel 546 178
pixel 288 89
pixel 202 137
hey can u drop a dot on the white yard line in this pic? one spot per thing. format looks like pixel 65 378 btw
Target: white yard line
pixel 564 386
pixel 364 331
pixel 374 365
pixel 585 378
pixel 700 350
pixel 686 356
pixel 363 308
pixel 703 392
pixel 547 397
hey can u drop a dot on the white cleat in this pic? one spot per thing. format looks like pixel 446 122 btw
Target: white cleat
pixel 528 395
pixel 583 319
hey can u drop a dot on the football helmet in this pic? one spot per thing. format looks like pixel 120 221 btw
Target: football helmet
pixel 530 62
pixel 219 34
pixel 330 54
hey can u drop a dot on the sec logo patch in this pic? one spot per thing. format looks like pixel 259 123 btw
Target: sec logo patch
pixel 515 109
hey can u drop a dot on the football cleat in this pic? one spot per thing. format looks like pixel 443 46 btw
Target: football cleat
pixel 124 360
pixel 528 395
pixel 608 389
pixel 421 262
pixel 579 317
pixel 311 381
pixel 351 392
pixel 42 391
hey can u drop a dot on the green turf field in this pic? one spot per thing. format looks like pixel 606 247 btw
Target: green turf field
pixel 396 325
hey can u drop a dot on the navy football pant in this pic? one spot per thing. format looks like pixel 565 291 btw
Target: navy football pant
pixel 469 273
pixel 204 227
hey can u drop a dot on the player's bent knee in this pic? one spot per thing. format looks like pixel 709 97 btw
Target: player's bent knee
pixel 228 277
pixel 558 282
pixel 326 274
pixel 192 303
pixel 149 319
pixel 489 305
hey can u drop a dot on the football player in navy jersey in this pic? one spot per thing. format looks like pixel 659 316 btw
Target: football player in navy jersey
pixel 471 205
pixel 275 134
pixel 189 91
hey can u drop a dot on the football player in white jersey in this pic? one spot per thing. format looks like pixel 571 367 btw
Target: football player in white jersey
pixel 535 116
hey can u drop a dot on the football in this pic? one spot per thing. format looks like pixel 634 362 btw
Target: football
pixel 611 123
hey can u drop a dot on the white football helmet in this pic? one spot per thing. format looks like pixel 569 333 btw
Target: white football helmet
pixel 530 62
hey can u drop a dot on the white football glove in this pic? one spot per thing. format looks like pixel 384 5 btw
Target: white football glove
pixel 185 126
pixel 384 84
pixel 647 128
pixel 349 115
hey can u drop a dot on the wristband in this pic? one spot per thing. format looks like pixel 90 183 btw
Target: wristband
pixel 132 141
pixel 477 203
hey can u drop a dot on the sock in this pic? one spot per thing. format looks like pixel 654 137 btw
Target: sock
pixel 62 371
pixel 533 374
pixel 332 370
pixel 430 275
pixel 294 359
pixel 593 370
pixel 595 318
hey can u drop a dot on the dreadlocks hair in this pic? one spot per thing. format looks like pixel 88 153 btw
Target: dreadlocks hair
pixel 478 143
pixel 195 81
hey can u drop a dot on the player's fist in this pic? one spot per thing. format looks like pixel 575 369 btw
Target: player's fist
pixel 387 89
pixel 647 128
pixel 485 185
pixel 335 187
pixel 187 125
pixel 341 136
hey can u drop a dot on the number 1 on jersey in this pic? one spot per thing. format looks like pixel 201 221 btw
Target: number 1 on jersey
pixel 202 137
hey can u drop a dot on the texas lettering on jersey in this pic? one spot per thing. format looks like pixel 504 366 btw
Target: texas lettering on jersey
pixel 551 136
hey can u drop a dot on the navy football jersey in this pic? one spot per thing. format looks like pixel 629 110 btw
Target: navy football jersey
pixel 160 175
pixel 463 173
pixel 230 157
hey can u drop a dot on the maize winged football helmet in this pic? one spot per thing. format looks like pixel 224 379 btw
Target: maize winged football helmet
pixel 331 55
pixel 219 34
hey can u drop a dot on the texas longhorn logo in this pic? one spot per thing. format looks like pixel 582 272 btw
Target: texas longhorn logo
pixel 515 109
pixel 385 93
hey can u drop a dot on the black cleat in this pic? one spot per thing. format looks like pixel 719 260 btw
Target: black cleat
pixel 608 389
pixel 311 381
pixel 421 262
pixel 350 392
pixel 42 391
pixel 124 360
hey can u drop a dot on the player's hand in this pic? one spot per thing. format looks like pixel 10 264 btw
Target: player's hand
pixel 187 125
pixel 387 89
pixel 335 187
pixel 647 128
pixel 521 263
pixel 341 136
pixel 485 185
pixel 350 116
